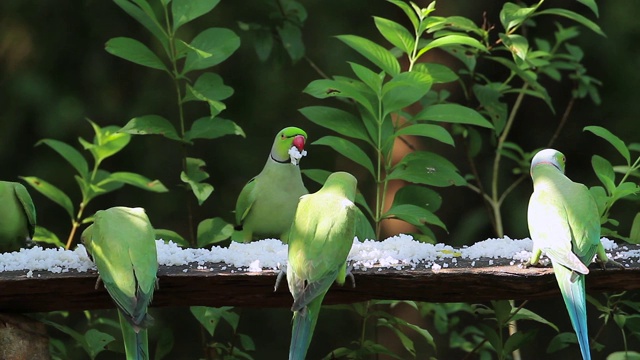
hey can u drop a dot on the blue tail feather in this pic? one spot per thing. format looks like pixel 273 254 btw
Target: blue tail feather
pixel 573 293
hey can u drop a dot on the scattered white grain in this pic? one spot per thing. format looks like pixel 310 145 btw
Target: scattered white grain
pixel 295 155
pixel 255 266
pixel 436 267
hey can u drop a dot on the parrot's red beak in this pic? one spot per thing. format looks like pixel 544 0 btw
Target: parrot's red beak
pixel 298 142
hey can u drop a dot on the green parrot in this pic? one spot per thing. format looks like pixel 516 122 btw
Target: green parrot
pixel 267 203
pixel 121 242
pixel 320 239
pixel 564 223
pixel 17 216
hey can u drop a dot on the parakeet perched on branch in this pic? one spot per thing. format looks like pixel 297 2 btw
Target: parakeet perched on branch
pixel 121 242
pixel 320 239
pixel 267 203
pixel 564 223
pixel 17 216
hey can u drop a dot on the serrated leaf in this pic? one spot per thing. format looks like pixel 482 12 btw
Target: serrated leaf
pixel 134 51
pixel 73 156
pixel 209 48
pixel 151 125
pixel 453 113
pixel 435 132
pixel 213 231
pixel 348 150
pixel 184 11
pixel 340 121
pixel 52 192
pixel 208 128
pixel 607 135
pixel 375 53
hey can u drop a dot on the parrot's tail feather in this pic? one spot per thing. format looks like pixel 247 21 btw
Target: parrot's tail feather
pixel 136 341
pixel 142 347
pixel 300 334
pixel 573 293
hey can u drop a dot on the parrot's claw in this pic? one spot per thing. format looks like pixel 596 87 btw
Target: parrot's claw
pixel 528 264
pixel 281 273
pixel 350 276
pixel 603 264
pixel 98 281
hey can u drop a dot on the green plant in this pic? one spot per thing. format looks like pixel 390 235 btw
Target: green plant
pixel 182 61
pixel 237 347
pixel 92 182
pixel 611 192
pixel 380 98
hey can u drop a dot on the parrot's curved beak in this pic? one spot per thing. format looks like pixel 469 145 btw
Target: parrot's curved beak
pixel 298 142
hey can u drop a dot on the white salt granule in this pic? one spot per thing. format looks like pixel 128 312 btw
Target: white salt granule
pixel 295 155
pixel 436 267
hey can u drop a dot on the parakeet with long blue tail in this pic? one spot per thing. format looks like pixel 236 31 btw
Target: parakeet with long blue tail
pixel 122 244
pixel 267 203
pixel 320 239
pixel 564 223
pixel 17 216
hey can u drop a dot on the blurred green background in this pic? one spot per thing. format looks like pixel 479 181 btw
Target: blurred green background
pixel 54 73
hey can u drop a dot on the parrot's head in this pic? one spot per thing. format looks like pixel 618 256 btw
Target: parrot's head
pixel 551 157
pixel 343 183
pixel 289 145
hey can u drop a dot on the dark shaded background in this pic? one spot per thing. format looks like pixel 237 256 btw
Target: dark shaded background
pixel 54 72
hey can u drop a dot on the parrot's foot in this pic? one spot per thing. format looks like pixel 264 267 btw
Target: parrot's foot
pixel 603 264
pixel 528 264
pixel 98 281
pixel 350 276
pixel 281 274
pixel 157 283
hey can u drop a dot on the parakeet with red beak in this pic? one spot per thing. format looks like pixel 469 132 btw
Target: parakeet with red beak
pixel 267 203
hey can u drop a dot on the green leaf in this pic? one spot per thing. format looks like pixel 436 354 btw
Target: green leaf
pixel 151 125
pixel 513 15
pixel 208 128
pixel 624 355
pixel 411 14
pixel 52 192
pixel 439 73
pixel 623 190
pixel 573 16
pixel 453 113
pixel 211 47
pixel 134 51
pixel 529 77
pixel 516 341
pixel 291 37
pixel 418 195
pixel 317 175
pixel 169 235
pixel 370 78
pixel 517 44
pixel 97 341
pixel 213 231
pixel 194 176
pixel 164 343
pixel 337 120
pixel 561 341
pixel 107 141
pixel 73 156
pixel 364 230
pixel 612 139
pixel 423 167
pixel 526 314
pixel 209 86
pixel 591 4
pixel 414 215
pixel 427 130
pixel 42 235
pixel 209 317
pixel 325 88
pixel 404 89
pixel 348 150
pixel 147 19
pixel 491 336
pixel 184 11
pixel 375 53
pixel 603 169
pixel 489 96
pixel 449 40
pixel 136 180
pixel 502 310
pixel 396 34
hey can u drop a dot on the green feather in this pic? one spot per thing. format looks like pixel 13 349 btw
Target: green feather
pixel 320 240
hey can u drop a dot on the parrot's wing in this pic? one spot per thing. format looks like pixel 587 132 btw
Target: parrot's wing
pixel 27 204
pixel 245 200
pixel 584 220
pixel 550 230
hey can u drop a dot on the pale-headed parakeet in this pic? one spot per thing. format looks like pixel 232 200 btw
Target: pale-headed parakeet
pixel 122 244
pixel 564 223
pixel 17 216
pixel 267 203
pixel 320 239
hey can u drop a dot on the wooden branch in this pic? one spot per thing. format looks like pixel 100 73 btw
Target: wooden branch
pixel 189 285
